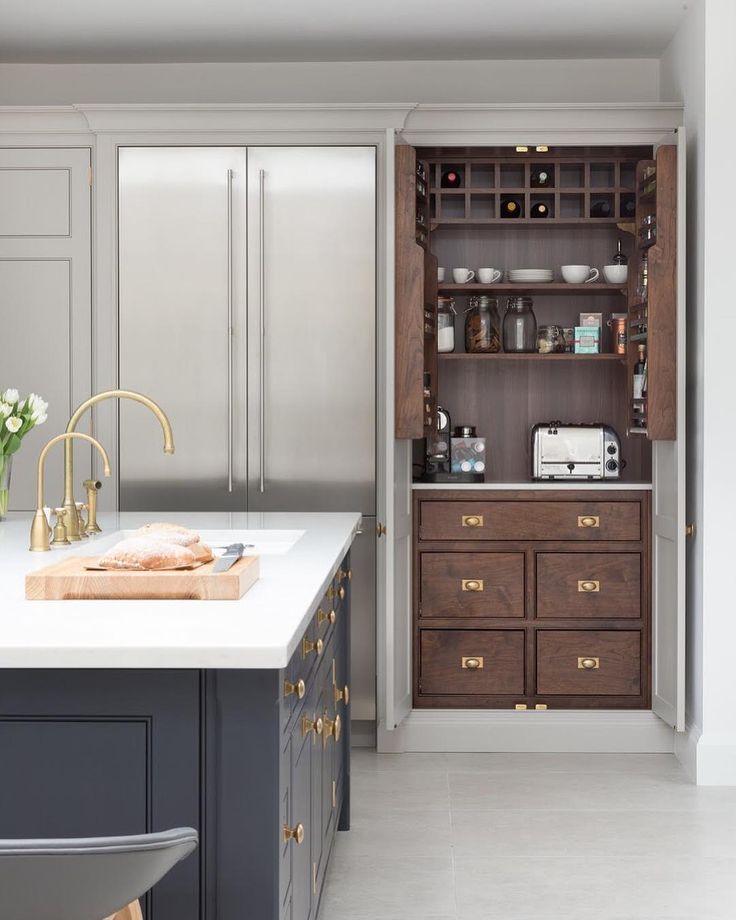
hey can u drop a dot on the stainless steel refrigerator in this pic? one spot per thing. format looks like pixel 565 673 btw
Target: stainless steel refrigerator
pixel 247 306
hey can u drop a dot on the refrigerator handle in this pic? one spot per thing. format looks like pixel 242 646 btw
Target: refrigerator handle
pixel 262 321
pixel 229 330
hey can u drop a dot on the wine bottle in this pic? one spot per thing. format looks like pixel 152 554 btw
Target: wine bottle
pixel 619 258
pixel 600 208
pixel 628 207
pixel 541 178
pixel 451 178
pixel 539 209
pixel 640 373
pixel 511 207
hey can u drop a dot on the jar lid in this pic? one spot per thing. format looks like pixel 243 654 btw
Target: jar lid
pixel 464 431
pixel 520 302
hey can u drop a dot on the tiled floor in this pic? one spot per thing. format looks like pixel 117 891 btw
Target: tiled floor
pixel 531 837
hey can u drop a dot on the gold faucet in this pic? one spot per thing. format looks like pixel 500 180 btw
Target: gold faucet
pixel 72 517
pixel 40 526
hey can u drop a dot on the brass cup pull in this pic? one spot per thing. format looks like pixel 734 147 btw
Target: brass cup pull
pixel 589 587
pixel 299 688
pixel 472 584
pixel 472 663
pixel 323 617
pixel 294 833
pixel 342 695
pixel 472 520
pixel 311 725
pixel 589 520
pixel 589 664
pixel 308 647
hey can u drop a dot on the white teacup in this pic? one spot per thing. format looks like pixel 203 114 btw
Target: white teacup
pixel 579 274
pixel 462 275
pixel 489 275
pixel 616 274
pixel 440 274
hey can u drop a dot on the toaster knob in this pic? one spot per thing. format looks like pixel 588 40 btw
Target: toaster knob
pixel 571 466
pixel 612 465
pixel 611 448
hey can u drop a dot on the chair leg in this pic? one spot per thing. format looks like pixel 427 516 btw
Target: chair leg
pixel 131 912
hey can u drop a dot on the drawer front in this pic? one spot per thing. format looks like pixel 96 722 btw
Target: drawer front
pixel 472 585
pixel 589 661
pixel 589 585
pixel 530 520
pixel 472 661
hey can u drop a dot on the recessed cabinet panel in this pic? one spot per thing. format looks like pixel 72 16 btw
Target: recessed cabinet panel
pixel 472 585
pixel 589 662
pixel 35 202
pixel 473 661
pixel 589 585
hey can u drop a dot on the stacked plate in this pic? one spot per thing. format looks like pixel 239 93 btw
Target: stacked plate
pixel 531 275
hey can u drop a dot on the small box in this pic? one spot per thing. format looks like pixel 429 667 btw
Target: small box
pixel 468 455
pixel 591 319
pixel 587 340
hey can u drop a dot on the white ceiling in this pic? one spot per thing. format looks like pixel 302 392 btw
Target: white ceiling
pixel 332 30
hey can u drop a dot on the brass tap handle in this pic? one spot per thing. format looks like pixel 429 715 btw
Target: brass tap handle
pixel 92 486
pixel 323 617
pixel 294 833
pixel 589 664
pixel 60 537
pixel 342 695
pixel 80 508
pixel 299 688
pixel 308 646
pixel 311 725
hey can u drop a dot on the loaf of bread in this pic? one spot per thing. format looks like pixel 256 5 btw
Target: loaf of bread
pixel 202 552
pixel 144 553
pixel 170 533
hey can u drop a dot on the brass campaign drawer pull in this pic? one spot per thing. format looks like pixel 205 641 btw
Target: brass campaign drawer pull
pixel 475 663
pixel 589 587
pixel 294 833
pixel 589 520
pixel 472 584
pixel 472 520
pixel 589 664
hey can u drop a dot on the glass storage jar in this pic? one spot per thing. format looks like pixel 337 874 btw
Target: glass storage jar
pixel 519 326
pixel 550 339
pixel 445 324
pixel 482 326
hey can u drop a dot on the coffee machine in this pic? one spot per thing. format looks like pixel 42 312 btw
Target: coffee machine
pixel 438 458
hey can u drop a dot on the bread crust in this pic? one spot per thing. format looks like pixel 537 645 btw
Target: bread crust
pixel 146 554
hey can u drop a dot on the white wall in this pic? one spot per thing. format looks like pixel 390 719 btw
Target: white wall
pixel 379 81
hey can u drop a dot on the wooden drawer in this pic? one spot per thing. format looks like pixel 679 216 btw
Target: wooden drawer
pixel 445 668
pixel 614 657
pixel 589 585
pixel 472 585
pixel 530 520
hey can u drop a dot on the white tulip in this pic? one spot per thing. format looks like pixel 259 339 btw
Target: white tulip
pixel 39 419
pixel 11 396
pixel 14 423
pixel 5 409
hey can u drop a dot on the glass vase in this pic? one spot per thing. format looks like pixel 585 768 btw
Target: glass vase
pixel 6 467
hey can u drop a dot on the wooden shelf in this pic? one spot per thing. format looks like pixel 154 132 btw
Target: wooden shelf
pixel 525 221
pixel 553 287
pixel 533 190
pixel 531 356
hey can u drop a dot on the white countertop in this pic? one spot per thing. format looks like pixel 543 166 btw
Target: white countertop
pixel 545 486
pixel 261 630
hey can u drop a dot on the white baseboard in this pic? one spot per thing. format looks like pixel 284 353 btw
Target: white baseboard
pixel 686 750
pixel 715 759
pixel 503 731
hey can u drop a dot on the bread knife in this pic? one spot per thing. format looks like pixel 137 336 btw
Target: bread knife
pixel 229 557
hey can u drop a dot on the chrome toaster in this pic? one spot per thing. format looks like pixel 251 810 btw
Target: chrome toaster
pixel 564 451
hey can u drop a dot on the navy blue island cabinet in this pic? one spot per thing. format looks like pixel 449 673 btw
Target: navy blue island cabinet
pixel 257 760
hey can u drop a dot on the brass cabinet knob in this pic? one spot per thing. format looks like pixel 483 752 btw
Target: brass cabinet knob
pixel 589 587
pixel 341 593
pixel 380 529
pixel 324 617
pixel 589 520
pixel 343 574
pixel 472 584
pixel 690 530
pixel 343 694
pixel 333 729
pixel 311 725
pixel 589 664
pixel 473 663
pixel 472 520
pixel 294 833
pixel 299 688
pixel 309 646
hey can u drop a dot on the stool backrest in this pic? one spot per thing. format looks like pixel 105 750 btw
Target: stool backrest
pixel 85 878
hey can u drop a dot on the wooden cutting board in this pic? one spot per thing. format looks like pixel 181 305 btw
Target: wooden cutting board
pixel 68 580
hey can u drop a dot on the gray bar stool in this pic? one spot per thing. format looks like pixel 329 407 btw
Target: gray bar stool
pixel 87 878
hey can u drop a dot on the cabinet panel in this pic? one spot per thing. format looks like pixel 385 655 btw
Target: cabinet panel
pixel 472 585
pixel 472 661
pixel 301 797
pixel 595 662
pixel 589 584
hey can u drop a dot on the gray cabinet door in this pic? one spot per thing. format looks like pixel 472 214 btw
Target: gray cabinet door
pixel 301 813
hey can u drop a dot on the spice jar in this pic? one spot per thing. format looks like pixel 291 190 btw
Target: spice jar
pixel 520 326
pixel 550 339
pixel 445 324
pixel 482 326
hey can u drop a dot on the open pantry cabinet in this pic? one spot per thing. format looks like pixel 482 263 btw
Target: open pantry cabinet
pixel 593 196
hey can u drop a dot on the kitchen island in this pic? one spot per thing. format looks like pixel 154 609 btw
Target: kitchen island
pixel 118 717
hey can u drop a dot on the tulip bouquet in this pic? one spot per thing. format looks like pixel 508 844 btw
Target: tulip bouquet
pixel 17 417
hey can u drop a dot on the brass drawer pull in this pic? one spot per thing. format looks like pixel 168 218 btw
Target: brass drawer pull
pixel 294 833
pixel 472 664
pixel 342 695
pixel 308 646
pixel 472 520
pixel 589 664
pixel 589 587
pixel 311 725
pixel 589 520
pixel 299 688
pixel 472 584
pixel 323 617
